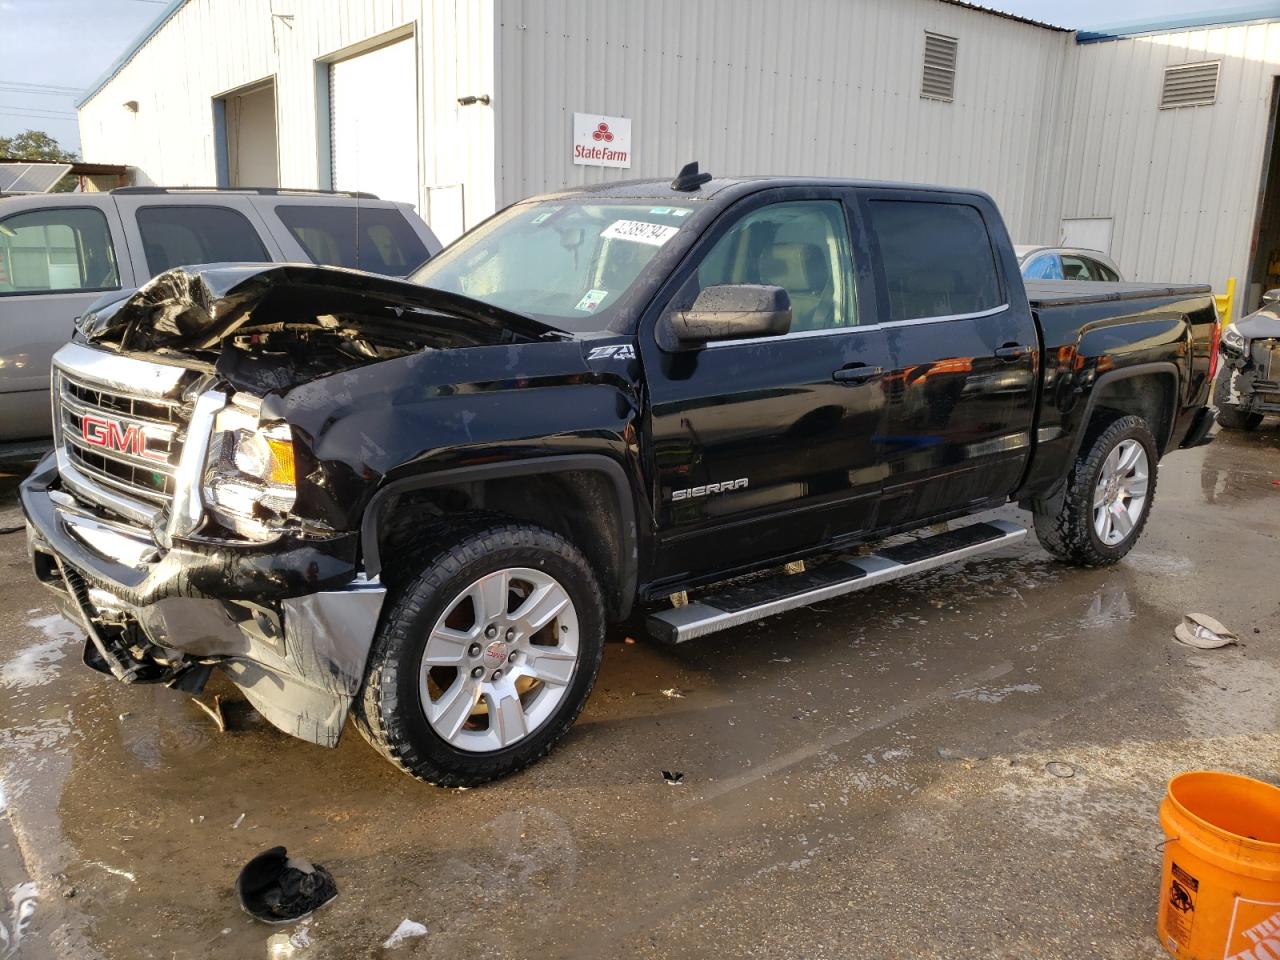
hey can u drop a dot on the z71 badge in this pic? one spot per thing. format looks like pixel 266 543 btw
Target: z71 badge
pixel 708 489
pixel 618 351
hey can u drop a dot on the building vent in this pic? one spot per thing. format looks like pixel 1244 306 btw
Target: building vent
pixel 1190 85
pixel 939 80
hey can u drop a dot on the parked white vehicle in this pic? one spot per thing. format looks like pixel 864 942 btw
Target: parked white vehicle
pixel 1066 263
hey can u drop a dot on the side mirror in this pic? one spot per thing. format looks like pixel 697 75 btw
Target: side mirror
pixel 731 311
pixel 1271 296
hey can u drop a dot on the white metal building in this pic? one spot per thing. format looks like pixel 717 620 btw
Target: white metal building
pixel 463 106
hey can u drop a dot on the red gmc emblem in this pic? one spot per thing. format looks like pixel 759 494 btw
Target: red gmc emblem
pixel 118 435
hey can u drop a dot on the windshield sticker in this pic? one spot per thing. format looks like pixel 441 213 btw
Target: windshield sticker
pixel 660 210
pixel 639 231
pixel 590 300
pixel 680 211
pixel 545 215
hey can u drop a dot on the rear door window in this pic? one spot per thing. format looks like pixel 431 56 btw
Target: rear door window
pixel 1102 272
pixel 174 236
pixel 376 239
pixel 57 251
pixel 937 259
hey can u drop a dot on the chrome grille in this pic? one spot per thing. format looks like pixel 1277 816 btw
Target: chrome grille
pixel 119 425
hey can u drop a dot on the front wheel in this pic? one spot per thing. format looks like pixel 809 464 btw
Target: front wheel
pixel 1229 414
pixel 1107 499
pixel 486 655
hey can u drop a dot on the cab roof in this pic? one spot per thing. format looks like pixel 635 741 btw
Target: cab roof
pixel 728 189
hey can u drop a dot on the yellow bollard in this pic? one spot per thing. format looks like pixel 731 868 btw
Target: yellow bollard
pixel 1225 301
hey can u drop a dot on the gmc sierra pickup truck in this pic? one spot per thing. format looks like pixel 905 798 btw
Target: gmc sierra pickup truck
pixel 421 501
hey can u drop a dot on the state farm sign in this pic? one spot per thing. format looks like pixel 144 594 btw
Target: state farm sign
pixel 601 141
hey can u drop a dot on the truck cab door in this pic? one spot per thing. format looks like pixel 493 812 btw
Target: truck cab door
pixel 961 396
pixel 766 447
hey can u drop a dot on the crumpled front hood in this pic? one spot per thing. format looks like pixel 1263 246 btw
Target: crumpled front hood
pixel 196 309
pixel 1263 325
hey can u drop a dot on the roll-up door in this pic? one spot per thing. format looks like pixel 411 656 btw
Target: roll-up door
pixel 373 103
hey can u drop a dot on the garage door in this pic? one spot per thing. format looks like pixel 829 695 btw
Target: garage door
pixel 373 103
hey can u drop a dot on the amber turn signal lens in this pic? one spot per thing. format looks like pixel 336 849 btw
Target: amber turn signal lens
pixel 280 469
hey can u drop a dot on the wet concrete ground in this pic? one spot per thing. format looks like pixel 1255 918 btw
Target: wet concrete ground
pixel 862 779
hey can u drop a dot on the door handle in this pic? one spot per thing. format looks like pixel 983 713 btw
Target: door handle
pixel 1011 351
pixel 856 373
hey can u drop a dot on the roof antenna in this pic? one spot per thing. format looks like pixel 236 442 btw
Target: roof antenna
pixel 689 179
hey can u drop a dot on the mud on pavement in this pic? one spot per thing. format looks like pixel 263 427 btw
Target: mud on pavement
pixel 966 764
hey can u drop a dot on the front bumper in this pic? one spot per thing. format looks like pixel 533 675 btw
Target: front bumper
pixel 291 623
pixel 1262 396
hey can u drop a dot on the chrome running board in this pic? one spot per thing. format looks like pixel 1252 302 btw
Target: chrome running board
pixel 758 599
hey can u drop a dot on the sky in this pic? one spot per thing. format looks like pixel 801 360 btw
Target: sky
pixel 1095 13
pixel 67 44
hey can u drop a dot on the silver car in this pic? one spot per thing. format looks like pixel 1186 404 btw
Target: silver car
pixel 1065 263
pixel 60 252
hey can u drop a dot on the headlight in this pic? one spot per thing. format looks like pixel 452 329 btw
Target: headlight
pixel 1233 340
pixel 249 483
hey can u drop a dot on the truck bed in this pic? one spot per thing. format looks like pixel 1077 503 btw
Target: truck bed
pixel 1057 293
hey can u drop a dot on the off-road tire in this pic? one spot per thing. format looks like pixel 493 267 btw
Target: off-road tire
pixel 389 713
pixel 1229 414
pixel 1066 529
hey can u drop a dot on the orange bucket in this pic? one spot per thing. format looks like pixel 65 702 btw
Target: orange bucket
pixel 1220 888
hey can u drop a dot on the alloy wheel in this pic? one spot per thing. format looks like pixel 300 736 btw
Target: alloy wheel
pixel 499 660
pixel 1121 492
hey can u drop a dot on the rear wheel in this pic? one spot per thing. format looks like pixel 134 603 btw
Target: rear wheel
pixel 1107 499
pixel 1229 414
pixel 486 655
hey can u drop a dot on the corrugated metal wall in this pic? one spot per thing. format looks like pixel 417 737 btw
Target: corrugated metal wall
pixel 212 46
pixel 1181 184
pixel 1050 128
pixel 824 87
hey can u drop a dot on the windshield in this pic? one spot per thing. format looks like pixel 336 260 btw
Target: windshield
pixel 570 263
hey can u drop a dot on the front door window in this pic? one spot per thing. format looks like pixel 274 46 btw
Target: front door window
pixel 66 250
pixel 802 247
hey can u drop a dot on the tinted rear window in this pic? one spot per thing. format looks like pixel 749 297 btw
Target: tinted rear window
pixel 377 239
pixel 937 257
pixel 187 235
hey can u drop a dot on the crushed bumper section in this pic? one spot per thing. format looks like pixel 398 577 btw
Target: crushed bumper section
pixel 290 623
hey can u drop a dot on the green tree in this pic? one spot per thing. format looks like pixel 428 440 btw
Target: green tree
pixel 38 145
pixel 34 145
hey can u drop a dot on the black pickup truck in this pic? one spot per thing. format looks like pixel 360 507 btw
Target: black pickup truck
pixel 421 502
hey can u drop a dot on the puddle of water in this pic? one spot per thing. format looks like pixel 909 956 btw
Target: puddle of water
pixel 995 694
pixel 38 663
pixel 23 897
pixel 1109 606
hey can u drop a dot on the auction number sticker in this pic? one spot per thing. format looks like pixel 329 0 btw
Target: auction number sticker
pixel 640 231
